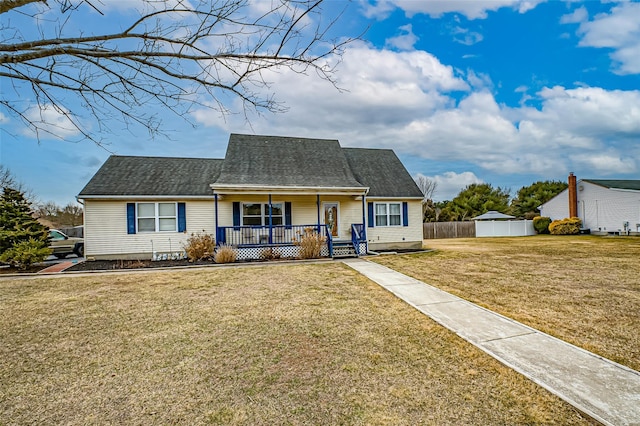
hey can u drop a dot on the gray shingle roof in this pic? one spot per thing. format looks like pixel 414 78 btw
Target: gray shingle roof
pixel 268 161
pixel 618 184
pixel 382 172
pixel 283 161
pixel 149 176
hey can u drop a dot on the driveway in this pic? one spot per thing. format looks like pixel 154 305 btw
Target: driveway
pixel 52 260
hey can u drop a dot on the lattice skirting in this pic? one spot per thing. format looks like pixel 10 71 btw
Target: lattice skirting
pixel 281 252
pixel 362 248
pixel 271 252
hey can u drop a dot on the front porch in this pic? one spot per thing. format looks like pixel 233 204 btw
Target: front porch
pixel 270 225
pixel 283 241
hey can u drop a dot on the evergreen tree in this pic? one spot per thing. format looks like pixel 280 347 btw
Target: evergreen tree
pixel 531 197
pixel 476 199
pixel 23 240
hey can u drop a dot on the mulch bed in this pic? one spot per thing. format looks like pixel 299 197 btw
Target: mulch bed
pixel 110 265
pixel 30 270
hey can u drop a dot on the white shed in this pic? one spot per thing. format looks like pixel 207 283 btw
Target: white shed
pixel 493 224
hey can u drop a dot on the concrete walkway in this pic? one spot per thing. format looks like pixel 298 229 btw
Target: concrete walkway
pixel 59 267
pixel 602 389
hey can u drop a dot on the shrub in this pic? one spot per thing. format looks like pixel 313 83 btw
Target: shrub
pixel 25 253
pixel 17 224
pixel 225 254
pixel 310 243
pixel 270 253
pixel 569 226
pixel 541 224
pixel 200 246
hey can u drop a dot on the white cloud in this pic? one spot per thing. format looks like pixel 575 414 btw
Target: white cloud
pixel 619 30
pixel 466 37
pixel 381 88
pixel 404 41
pixel 476 9
pixel 3 118
pixel 449 184
pixel 607 163
pixel 52 122
pixel 579 15
pixel 404 101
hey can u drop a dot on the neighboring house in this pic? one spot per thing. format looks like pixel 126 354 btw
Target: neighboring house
pixel 605 206
pixel 267 191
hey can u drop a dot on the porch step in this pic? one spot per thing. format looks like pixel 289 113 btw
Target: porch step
pixel 343 249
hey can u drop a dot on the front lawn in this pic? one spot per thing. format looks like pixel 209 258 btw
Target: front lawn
pixel 280 344
pixel 582 289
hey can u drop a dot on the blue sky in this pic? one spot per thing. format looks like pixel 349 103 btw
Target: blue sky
pixel 501 91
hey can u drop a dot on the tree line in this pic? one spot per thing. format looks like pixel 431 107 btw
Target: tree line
pixel 478 198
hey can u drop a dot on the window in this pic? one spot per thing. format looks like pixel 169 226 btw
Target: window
pixel 255 214
pixel 55 235
pixel 154 217
pixel 388 214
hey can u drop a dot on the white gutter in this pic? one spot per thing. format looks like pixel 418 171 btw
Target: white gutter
pixel 287 190
pixel 147 197
pixel 373 197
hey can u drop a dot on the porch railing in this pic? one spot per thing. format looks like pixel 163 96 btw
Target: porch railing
pixel 268 235
pixel 357 236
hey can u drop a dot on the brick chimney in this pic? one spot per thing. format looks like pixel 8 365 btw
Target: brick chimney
pixel 573 196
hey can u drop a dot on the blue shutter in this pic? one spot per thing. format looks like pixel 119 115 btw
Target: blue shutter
pixel 371 218
pixel 405 214
pixel 236 215
pixel 131 218
pixel 287 214
pixel 182 218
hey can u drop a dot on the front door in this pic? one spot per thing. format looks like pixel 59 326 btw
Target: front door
pixel 331 218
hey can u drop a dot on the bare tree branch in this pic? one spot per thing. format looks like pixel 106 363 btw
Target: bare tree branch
pixel 174 55
pixel 427 186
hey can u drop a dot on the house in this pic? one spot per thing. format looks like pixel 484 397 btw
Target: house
pixel 605 206
pixel 267 191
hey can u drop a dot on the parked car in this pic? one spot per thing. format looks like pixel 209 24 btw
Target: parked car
pixel 63 245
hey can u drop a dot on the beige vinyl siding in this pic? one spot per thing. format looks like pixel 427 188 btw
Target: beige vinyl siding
pixel 106 235
pixel 390 237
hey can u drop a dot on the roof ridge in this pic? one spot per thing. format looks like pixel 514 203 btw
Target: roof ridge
pixel 165 157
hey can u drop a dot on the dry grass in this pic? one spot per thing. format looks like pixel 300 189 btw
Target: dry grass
pixel 200 246
pixel 303 344
pixel 310 243
pixel 582 289
pixel 225 253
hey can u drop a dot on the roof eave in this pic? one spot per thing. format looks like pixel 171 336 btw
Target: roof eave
pixel 395 197
pixel 288 190
pixel 145 197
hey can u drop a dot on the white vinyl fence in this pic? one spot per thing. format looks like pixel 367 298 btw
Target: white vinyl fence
pixel 504 228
